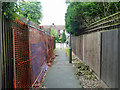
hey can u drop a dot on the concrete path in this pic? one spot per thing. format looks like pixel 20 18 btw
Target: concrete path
pixel 61 74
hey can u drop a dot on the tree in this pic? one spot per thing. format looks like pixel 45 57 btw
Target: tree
pixel 31 11
pixel 53 32
pixel 9 10
pixel 57 38
pixel 74 18
pixel 80 14
pixel 63 39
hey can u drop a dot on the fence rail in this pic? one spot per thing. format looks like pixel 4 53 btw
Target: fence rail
pixel 108 23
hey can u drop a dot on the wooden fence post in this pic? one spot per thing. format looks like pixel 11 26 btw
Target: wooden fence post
pixel 6 54
pixel 83 47
pixel 118 58
pixel 0 46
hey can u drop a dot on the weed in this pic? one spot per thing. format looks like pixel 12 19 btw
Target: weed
pixel 85 70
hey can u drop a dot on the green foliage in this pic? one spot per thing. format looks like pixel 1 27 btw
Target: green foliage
pixel 53 32
pixel 84 70
pixel 74 18
pixel 31 11
pixel 80 14
pixel 67 51
pixel 9 10
pixel 63 39
pixel 57 38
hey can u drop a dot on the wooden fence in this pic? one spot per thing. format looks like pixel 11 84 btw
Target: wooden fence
pixel 109 59
pixel 0 46
pixel 6 57
pixel 7 54
pixel 99 47
pixel 87 48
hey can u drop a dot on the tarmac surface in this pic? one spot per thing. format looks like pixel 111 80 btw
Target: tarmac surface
pixel 61 73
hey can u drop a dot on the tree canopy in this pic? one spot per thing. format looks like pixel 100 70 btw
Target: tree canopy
pixel 63 39
pixel 53 32
pixel 9 10
pixel 80 14
pixel 31 11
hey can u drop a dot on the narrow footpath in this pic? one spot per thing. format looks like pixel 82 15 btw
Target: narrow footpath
pixel 61 73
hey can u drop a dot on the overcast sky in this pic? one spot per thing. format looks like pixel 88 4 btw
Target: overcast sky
pixel 53 12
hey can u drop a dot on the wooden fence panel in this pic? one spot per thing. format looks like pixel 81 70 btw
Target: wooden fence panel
pixel 85 49
pixel 109 68
pixel 79 46
pixel 101 53
pixel 92 51
pixel 119 58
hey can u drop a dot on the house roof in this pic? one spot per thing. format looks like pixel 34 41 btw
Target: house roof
pixel 55 27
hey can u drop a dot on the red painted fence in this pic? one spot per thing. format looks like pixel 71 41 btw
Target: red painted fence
pixel 33 50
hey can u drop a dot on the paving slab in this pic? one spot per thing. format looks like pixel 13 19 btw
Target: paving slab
pixel 61 73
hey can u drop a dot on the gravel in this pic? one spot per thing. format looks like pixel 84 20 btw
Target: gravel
pixel 85 75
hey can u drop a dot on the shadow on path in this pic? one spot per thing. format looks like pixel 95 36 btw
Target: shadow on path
pixel 61 74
